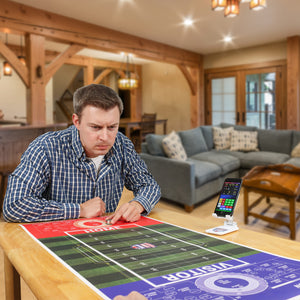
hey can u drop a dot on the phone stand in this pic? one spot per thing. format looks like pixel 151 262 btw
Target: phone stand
pixel 229 226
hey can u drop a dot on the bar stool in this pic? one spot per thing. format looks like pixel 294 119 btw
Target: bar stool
pixel 4 178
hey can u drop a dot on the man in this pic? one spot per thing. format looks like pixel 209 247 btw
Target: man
pixel 81 171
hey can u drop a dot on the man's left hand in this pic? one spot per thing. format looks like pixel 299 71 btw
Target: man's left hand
pixel 129 212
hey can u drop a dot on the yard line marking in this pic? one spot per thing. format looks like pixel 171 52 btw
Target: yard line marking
pixel 112 260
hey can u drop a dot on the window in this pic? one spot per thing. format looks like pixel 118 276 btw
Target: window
pixel 250 96
pixel 223 100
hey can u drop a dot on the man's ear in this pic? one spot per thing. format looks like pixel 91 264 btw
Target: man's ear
pixel 75 120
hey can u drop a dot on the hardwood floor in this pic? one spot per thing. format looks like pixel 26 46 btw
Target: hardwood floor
pixel 277 208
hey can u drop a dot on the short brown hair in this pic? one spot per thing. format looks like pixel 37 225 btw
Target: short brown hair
pixel 97 95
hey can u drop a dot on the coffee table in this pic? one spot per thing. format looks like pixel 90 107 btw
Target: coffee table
pixel 279 181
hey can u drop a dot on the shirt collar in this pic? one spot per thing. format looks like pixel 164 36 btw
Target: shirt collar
pixel 76 143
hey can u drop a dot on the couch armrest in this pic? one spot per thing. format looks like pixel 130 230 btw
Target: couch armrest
pixel 175 178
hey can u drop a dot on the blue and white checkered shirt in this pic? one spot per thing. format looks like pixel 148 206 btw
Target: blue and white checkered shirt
pixel 55 177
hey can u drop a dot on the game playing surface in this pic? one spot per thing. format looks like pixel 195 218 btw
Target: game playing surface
pixel 163 261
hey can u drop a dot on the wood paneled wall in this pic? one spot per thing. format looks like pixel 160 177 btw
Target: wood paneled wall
pixel 15 140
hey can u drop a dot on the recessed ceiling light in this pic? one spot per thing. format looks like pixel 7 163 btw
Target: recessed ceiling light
pixel 188 22
pixel 227 39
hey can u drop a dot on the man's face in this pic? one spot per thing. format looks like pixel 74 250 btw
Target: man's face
pixel 97 129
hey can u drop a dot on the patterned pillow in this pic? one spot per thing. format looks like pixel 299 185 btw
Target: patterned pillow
pixel 296 151
pixel 244 141
pixel 173 147
pixel 222 137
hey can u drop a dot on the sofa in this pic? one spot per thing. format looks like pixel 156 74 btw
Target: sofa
pixel 199 171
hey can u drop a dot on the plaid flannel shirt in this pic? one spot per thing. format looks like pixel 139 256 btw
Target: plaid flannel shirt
pixel 55 177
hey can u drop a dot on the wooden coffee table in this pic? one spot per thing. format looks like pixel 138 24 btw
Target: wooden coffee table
pixel 279 181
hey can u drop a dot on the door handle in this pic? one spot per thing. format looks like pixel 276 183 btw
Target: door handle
pixel 237 117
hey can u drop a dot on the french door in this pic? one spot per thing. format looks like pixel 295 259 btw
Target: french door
pixel 246 97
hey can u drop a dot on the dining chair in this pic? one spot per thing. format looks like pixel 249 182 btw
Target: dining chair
pixel 147 126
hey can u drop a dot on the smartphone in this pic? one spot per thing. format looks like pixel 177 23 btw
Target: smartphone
pixel 228 197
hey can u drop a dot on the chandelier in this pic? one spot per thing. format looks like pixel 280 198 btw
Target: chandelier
pixel 127 83
pixel 232 7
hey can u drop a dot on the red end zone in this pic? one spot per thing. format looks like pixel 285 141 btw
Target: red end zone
pixel 59 228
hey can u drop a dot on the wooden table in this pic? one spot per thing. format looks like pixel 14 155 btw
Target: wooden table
pixel 280 181
pixel 127 124
pixel 49 279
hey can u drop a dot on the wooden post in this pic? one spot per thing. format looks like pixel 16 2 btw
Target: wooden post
pixel 293 79
pixel 36 106
pixel 88 74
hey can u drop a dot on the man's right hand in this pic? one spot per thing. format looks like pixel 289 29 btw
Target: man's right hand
pixel 92 208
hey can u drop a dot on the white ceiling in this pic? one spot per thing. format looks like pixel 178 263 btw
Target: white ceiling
pixel 161 21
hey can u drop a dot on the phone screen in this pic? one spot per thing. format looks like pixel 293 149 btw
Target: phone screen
pixel 228 197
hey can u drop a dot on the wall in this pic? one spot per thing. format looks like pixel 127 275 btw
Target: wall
pixel 166 92
pixel 13 97
pixel 251 55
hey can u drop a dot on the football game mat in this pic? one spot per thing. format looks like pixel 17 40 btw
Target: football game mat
pixel 164 261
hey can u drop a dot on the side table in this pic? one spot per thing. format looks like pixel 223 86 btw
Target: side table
pixel 279 181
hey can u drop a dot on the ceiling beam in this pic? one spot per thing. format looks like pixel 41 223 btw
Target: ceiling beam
pixel 22 18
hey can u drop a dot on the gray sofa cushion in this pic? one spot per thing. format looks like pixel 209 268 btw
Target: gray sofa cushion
pixel 193 141
pixel 154 144
pixel 260 158
pixel 207 132
pixel 279 141
pixel 205 172
pixel 237 154
pixel 226 162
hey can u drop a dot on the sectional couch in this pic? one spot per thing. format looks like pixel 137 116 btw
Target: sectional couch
pixel 200 175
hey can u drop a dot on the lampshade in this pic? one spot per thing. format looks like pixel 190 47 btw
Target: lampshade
pixel 218 5
pixel 232 8
pixel 127 83
pixel 257 4
pixel 22 59
pixel 7 69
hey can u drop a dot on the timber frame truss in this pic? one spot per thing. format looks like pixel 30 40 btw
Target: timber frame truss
pixel 38 25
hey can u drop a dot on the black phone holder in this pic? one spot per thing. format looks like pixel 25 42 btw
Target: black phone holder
pixel 229 226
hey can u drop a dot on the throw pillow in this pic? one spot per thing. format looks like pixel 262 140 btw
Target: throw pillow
pixel 244 141
pixel 173 147
pixel 296 151
pixel 222 137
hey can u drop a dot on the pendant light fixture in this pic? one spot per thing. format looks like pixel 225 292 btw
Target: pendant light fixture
pixel 21 57
pixel 127 83
pixel 232 7
pixel 7 69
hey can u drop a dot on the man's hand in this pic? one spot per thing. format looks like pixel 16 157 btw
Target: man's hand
pixel 92 208
pixel 132 296
pixel 129 212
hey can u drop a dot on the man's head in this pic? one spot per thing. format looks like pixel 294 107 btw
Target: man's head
pixel 97 110
pixel 96 95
